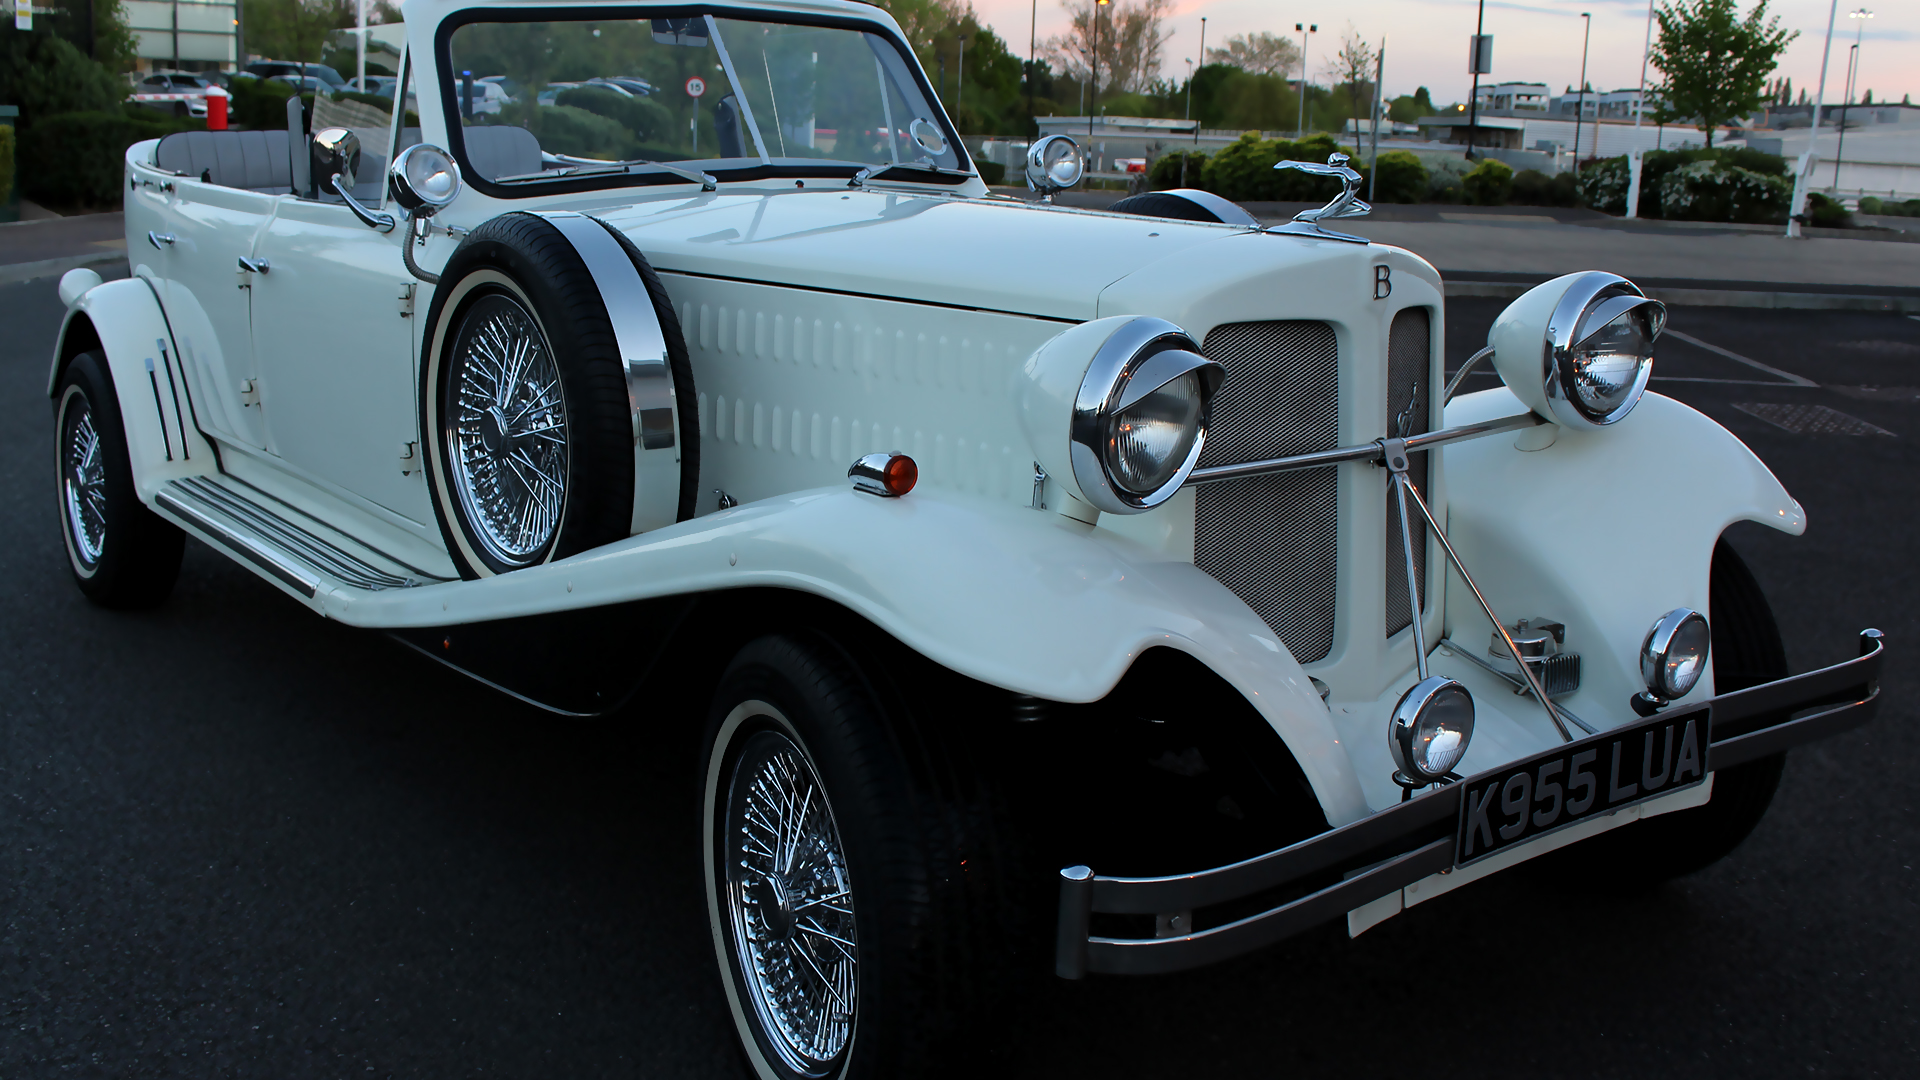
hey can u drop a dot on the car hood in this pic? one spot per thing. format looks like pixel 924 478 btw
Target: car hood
pixel 991 254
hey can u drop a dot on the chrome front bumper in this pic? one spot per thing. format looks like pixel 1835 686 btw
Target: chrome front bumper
pixel 1394 848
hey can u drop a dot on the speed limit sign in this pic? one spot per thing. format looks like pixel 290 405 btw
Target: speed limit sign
pixel 696 86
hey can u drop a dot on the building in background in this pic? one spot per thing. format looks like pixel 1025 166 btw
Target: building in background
pixel 185 35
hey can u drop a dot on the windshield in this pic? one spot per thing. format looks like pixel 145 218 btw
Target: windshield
pixel 595 100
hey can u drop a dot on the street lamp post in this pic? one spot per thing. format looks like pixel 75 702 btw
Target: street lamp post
pixel 1203 63
pixel 1640 107
pixel 1820 95
pixel 1473 68
pixel 960 83
pixel 1093 67
pixel 1861 15
pixel 1305 30
pixel 1580 108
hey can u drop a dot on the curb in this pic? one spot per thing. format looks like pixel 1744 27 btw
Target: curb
pixel 17 272
pixel 1738 298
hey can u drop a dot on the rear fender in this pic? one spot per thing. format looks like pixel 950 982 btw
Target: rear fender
pixel 1604 531
pixel 1031 602
pixel 123 319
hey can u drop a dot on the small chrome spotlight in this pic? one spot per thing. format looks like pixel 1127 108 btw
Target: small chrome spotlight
pixel 1429 731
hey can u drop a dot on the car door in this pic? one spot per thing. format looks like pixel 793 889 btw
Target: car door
pixel 332 335
pixel 206 230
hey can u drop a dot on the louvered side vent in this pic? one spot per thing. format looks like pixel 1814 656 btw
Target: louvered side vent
pixel 1274 540
pixel 1409 361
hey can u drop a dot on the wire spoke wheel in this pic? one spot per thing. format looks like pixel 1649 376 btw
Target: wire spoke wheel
pixel 83 481
pixel 790 902
pixel 507 431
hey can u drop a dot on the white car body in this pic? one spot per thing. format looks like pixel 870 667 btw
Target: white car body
pixel 827 322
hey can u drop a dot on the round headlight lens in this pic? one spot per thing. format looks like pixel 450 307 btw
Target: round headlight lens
pixel 1674 655
pixel 1153 438
pixel 424 179
pixel 1608 364
pixel 1430 728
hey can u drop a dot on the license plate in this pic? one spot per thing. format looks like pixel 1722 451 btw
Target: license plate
pixel 1581 780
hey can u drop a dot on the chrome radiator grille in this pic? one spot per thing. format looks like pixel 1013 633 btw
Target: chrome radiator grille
pixel 1274 540
pixel 1409 351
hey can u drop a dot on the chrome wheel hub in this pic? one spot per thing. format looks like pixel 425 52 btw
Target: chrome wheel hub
pixel 507 431
pixel 83 482
pixel 790 902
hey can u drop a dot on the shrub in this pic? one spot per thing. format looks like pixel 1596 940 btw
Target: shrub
pixel 1604 188
pixel 1165 171
pixel 1531 187
pixel 1827 213
pixel 6 162
pixel 569 129
pixel 45 76
pixel 260 104
pixel 648 120
pixel 1709 190
pixel 1399 177
pixel 79 159
pixel 1444 182
pixel 992 172
pixel 1489 184
pixel 1244 171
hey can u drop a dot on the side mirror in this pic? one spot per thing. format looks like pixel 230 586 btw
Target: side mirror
pixel 423 179
pixel 335 150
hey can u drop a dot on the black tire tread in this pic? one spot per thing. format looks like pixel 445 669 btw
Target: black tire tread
pixel 141 553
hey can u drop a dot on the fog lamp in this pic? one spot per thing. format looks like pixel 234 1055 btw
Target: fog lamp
pixel 1430 728
pixel 1674 654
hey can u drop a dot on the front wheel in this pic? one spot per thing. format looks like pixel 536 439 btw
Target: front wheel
pixel 849 902
pixel 122 554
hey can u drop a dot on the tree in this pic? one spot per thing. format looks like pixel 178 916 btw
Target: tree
pixel 1258 54
pixel 1352 67
pixel 1715 63
pixel 1409 108
pixel 1130 41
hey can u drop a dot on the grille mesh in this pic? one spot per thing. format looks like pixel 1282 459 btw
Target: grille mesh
pixel 1409 353
pixel 1274 540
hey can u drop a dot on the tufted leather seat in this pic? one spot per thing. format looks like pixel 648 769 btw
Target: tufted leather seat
pixel 254 160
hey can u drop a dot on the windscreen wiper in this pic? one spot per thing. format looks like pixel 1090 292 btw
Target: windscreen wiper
pixel 872 172
pixel 577 167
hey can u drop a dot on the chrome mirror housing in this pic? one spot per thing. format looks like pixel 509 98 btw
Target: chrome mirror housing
pixel 423 179
pixel 335 150
pixel 1054 164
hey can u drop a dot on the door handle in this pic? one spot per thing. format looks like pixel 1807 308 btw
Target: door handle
pixel 255 266
pixel 158 239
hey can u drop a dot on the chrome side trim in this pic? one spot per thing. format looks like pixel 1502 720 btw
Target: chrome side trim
pixel 1364 452
pixel 281 548
pixel 252 549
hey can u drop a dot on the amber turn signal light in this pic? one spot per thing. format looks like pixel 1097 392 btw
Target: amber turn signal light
pixel 888 475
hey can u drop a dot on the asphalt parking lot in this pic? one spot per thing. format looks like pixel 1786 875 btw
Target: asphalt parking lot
pixel 243 841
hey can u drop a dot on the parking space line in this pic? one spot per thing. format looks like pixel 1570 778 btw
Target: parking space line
pixel 1731 355
pixel 1727 382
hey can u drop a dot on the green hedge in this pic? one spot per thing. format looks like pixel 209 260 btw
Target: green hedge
pixel 1490 183
pixel 78 159
pixel 1603 185
pixel 1873 204
pixel 6 162
pixel 1165 173
pixel 1531 187
pixel 1707 190
pixel 1400 178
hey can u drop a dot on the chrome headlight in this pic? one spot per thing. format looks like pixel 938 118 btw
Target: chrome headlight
pixel 1579 349
pixel 1134 414
pixel 1054 163
pixel 423 179
pixel 1674 654
pixel 1430 728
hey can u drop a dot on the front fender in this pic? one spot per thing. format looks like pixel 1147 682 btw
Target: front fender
pixel 1027 601
pixel 156 406
pixel 1604 531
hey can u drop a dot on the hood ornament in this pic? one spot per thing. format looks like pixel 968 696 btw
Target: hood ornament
pixel 1344 205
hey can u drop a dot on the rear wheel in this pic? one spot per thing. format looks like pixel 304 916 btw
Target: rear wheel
pixel 850 899
pixel 1746 651
pixel 122 554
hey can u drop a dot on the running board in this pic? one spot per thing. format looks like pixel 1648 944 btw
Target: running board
pixel 258 529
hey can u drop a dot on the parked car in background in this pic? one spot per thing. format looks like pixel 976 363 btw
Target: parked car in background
pixel 505 82
pixel 374 84
pixel 181 93
pixel 1114 610
pixel 269 68
pixel 306 84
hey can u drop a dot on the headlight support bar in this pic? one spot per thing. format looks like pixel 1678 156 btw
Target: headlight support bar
pixel 1364 452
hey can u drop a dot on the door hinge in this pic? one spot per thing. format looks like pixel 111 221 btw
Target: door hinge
pixel 406 300
pixel 409 458
pixel 249 392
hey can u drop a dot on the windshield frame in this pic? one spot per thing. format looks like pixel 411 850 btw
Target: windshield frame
pixel 824 169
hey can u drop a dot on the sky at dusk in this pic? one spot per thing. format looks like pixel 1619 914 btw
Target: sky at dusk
pixel 1534 40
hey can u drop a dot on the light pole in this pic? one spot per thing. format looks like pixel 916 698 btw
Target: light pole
pixel 1820 95
pixel 1203 63
pixel 1305 30
pixel 1580 109
pixel 1033 48
pixel 1853 66
pixel 1093 97
pixel 960 83
pixel 1645 52
pixel 1473 68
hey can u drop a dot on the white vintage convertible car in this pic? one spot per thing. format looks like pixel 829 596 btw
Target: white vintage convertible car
pixel 1084 592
